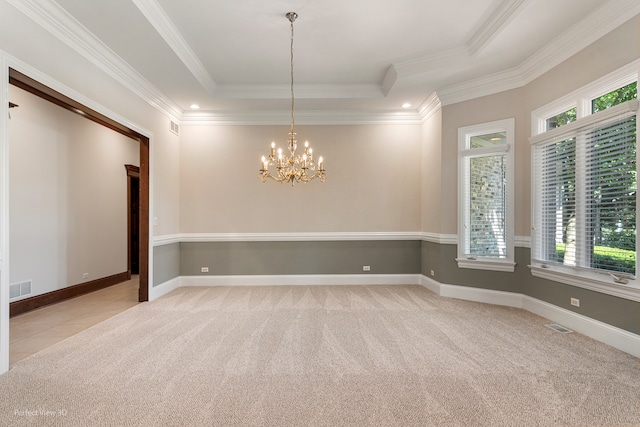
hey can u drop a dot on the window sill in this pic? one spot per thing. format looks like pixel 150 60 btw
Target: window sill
pixel 588 280
pixel 486 264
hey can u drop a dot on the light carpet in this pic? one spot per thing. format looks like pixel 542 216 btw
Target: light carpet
pixel 325 356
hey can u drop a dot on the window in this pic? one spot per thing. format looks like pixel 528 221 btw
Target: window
pixel 561 119
pixel 485 231
pixel 584 189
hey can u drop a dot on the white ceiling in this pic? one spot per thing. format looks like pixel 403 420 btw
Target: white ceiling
pixel 351 56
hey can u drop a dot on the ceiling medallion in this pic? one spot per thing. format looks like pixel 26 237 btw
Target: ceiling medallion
pixel 292 167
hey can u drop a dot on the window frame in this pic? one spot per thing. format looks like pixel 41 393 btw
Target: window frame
pixel 594 280
pixel 465 153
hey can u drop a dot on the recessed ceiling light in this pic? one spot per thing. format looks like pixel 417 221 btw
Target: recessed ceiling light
pixel 406 105
pixel 194 106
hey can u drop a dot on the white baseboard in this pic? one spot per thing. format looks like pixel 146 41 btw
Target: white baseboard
pixel 305 279
pixel 469 293
pixel 164 288
pixel 600 331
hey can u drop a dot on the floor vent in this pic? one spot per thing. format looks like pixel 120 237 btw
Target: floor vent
pixel 175 128
pixel 558 328
pixel 20 289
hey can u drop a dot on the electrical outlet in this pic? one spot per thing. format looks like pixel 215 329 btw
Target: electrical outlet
pixel 366 268
pixel 85 276
pixel 433 273
pixel 204 269
pixel 575 302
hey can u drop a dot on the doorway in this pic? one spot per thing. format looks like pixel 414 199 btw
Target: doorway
pixel 140 220
pixel 133 219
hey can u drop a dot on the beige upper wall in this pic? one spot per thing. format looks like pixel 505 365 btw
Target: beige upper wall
pixel 618 48
pixel 432 173
pixel 373 180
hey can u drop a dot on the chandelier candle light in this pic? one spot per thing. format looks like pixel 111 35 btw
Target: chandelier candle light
pixel 292 167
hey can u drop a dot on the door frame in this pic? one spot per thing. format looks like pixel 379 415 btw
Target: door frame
pixel 33 86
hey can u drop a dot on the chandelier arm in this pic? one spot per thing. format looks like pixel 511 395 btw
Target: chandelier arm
pixel 264 174
pixel 282 177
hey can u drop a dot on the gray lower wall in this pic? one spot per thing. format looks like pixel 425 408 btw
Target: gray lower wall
pixel 384 257
pixel 615 311
pixel 166 263
pixel 442 260
pixel 317 257
pixel 618 312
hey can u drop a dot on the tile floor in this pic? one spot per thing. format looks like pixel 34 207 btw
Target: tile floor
pixel 38 329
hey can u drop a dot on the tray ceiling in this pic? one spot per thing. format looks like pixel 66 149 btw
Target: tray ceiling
pixel 362 57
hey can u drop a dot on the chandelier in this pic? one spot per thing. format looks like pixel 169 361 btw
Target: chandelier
pixel 291 167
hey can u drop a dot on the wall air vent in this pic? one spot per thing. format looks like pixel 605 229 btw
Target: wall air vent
pixel 175 128
pixel 20 289
pixel 558 328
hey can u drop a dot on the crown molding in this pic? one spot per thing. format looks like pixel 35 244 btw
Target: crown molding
pixel 429 107
pixel 428 62
pixel 306 117
pixel 502 15
pixel 168 31
pixel 486 85
pixel 50 16
pixel 603 20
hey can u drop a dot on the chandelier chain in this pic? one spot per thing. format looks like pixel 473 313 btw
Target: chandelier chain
pixel 292 96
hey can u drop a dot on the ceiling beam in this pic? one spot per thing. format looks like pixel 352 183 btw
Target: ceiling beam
pixel 498 19
pixel 157 17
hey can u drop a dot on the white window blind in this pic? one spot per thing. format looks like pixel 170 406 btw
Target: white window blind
pixel 556 161
pixel 610 196
pixel 585 186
